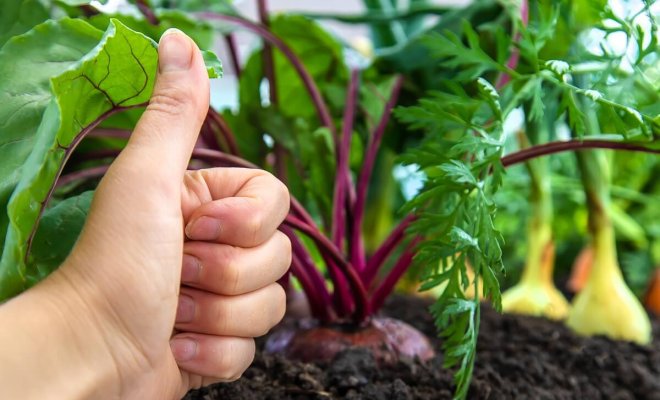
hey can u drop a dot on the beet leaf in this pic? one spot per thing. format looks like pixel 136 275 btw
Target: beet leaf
pixel 116 74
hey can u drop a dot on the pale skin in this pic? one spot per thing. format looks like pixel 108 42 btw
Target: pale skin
pixel 173 275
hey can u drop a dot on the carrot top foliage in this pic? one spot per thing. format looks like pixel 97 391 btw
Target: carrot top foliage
pixel 556 63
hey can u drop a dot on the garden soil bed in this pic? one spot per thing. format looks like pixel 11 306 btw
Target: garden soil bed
pixel 518 358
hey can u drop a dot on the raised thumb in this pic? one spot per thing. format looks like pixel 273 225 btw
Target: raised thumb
pixel 166 133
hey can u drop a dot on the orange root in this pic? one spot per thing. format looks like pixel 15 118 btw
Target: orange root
pixel 652 298
pixel 581 269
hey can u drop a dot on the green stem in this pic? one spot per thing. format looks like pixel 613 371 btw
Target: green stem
pixel 595 180
pixel 539 261
pixel 605 257
pixel 600 100
pixel 595 176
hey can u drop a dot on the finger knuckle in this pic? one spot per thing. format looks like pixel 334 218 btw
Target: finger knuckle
pixel 229 270
pixel 274 299
pixel 255 226
pixel 224 318
pixel 284 248
pixel 279 190
pixel 227 368
pixel 232 364
pixel 282 192
pixel 279 304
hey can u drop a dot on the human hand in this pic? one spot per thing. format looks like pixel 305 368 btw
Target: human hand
pixel 131 270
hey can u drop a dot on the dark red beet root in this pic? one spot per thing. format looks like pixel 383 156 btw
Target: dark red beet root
pixel 388 339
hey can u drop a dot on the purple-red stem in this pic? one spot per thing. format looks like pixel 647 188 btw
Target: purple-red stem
pixel 267 55
pixel 358 258
pixel 343 191
pixel 517 157
pixel 343 173
pixel 306 260
pixel 269 71
pixel 89 11
pixel 318 306
pixel 221 159
pixel 225 131
pixel 375 263
pixel 342 298
pixel 230 40
pixel 111 133
pixel 310 278
pixel 512 63
pixel 147 11
pixel 279 165
pixel 87 173
pixel 299 211
pixel 359 293
pixel 507 161
pixel 67 154
pixel 309 83
pixel 98 154
pixel 568 145
pixel 208 137
pixel 387 286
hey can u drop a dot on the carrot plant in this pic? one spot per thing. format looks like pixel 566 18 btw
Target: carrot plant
pixel 545 67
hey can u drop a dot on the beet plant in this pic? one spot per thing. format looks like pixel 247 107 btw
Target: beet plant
pixel 84 109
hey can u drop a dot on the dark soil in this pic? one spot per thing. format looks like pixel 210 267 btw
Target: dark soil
pixel 518 358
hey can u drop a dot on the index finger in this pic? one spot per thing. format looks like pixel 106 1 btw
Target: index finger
pixel 237 206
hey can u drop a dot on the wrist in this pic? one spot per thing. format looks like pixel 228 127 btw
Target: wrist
pixel 54 348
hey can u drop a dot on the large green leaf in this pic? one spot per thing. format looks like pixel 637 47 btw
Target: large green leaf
pixel 27 63
pixel 58 231
pixel 201 32
pixel 110 75
pixel 322 56
pixel 19 16
pixel 119 72
pixel 250 140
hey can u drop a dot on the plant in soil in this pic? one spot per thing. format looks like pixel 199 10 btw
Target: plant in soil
pixel 548 76
pixel 328 130
pixel 112 75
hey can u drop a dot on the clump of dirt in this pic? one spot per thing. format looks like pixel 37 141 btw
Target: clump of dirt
pixel 518 358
